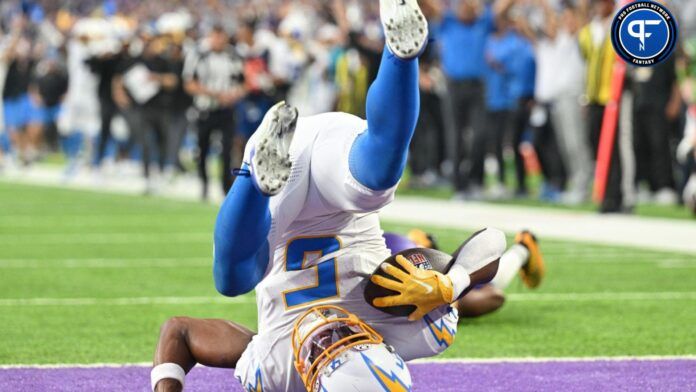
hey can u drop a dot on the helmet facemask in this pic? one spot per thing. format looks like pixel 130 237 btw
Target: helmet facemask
pixel 323 333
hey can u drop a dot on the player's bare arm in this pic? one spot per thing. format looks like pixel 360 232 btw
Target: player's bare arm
pixel 185 342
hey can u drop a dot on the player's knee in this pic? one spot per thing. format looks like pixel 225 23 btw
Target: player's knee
pixel 495 241
pixel 174 326
pixel 479 254
pixel 486 244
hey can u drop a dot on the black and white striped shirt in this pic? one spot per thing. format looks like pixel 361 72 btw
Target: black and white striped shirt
pixel 216 71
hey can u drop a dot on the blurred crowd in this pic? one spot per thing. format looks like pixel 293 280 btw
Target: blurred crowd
pixel 511 90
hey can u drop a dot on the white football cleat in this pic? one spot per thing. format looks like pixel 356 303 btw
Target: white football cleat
pixel 270 159
pixel 405 27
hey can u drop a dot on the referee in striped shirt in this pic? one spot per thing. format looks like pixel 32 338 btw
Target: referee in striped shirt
pixel 214 77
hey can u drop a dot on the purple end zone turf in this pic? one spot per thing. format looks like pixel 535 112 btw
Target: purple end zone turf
pixel 665 375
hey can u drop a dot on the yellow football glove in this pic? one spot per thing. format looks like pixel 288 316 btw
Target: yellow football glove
pixel 424 289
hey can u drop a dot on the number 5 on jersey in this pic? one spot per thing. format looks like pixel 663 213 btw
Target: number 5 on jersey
pixel 298 253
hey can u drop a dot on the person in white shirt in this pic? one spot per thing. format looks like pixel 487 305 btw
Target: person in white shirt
pixel 559 84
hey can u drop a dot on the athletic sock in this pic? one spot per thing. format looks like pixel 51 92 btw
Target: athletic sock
pixel 378 156
pixel 510 263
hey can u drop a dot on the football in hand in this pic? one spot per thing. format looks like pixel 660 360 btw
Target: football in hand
pixel 423 258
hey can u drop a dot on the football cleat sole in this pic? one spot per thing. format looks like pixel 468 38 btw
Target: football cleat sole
pixel 533 271
pixel 405 27
pixel 270 158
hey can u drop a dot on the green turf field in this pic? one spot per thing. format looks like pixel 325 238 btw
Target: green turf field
pixel 88 277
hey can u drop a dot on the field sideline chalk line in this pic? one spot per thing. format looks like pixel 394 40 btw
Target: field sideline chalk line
pixel 519 297
pixel 417 361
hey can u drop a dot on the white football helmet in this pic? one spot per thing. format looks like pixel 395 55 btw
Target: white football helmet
pixel 336 351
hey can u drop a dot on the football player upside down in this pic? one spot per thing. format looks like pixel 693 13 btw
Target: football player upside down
pixel 300 226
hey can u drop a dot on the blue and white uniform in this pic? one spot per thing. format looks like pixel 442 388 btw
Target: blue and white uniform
pixel 319 239
pixel 324 242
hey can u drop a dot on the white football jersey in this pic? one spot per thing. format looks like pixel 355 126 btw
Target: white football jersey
pixel 325 241
pixel 325 235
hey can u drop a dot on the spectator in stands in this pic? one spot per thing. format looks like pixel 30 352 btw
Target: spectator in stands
pixel 214 76
pixel 7 49
pixel 105 58
pixel 559 88
pixel 157 110
pixel 467 25
pixel 523 77
pixel 50 86
pixel 173 28
pixel 687 77
pixel 356 66
pixel 322 55
pixel 596 49
pixel 181 103
pixel 314 91
pixel 79 115
pixel 22 114
pixel 656 105
pixel 127 103
pixel 258 80
pixel 499 54
pixel 427 148
pixel 686 150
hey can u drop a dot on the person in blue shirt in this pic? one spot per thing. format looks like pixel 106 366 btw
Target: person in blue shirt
pixel 461 32
pixel 522 92
pixel 500 57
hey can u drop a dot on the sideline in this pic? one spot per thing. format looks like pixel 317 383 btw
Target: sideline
pixel 641 232
pixel 434 361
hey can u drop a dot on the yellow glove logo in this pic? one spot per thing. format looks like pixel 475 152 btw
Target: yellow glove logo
pixel 424 289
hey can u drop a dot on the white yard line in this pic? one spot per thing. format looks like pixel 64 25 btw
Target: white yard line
pixel 676 264
pixel 104 238
pixel 106 263
pixel 200 262
pixel 75 365
pixel 75 218
pixel 555 359
pixel 518 297
pixel 125 301
pixel 607 296
pixel 104 221
pixel 417 361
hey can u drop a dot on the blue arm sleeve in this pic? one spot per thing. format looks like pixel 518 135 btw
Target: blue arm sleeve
pixel 241 252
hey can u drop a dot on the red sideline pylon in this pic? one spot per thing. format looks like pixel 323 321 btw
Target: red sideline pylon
pixel 608 134
pixel 609 126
